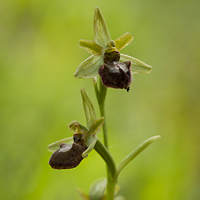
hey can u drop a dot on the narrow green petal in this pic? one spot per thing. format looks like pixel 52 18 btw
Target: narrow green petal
pixel 56 145
pixel 88 108
pixel 123 41
pixel 96 126
pixel 137 66
pixel 101 34
pixel 91 47
pixel 89 67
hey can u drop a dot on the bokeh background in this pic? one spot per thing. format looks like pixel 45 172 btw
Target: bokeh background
pixel 39 97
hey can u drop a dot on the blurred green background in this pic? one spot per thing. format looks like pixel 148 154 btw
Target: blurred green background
pixel 39 97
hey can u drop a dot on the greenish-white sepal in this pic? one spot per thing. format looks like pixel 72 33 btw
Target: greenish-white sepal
pixel 89 67
pixel 96 126
pixel 123 41
pixel 56 145
pixel 82 194
pixel 91 47
pixel 88 108
pixel 137 66
pixel 101 34
pixel 90 142
pixel 97 189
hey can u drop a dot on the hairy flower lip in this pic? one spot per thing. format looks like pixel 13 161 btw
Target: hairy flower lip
pixel 67 157
pixel 116 74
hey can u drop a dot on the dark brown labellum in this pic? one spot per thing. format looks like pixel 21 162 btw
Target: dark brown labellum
pixel 116 74
pixel 67 157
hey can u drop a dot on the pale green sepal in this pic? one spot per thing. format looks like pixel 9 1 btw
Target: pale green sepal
pixel 101 34
pixel 88 108
pixel 123 41
pixel 97 189
pixel 96 126
pixel 137 66
pixel 82 194
pixel 90 143
pixel 89 67
pixel 91 47
pixel 56 145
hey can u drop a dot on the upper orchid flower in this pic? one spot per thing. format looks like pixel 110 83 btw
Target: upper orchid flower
pixel 115 69
pixel 69 152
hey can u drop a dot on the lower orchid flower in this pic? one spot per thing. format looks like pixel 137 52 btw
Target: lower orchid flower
pixel 69 155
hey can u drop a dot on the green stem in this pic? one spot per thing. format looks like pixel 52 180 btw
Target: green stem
pixel 96 89
pixel 110 189
pixel 111 170
pixel 105 154
pixel 102 96
pixel 104 127
pixel 103 91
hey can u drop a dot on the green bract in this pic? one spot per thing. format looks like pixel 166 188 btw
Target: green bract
pixel 102 43
pixel 97 189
